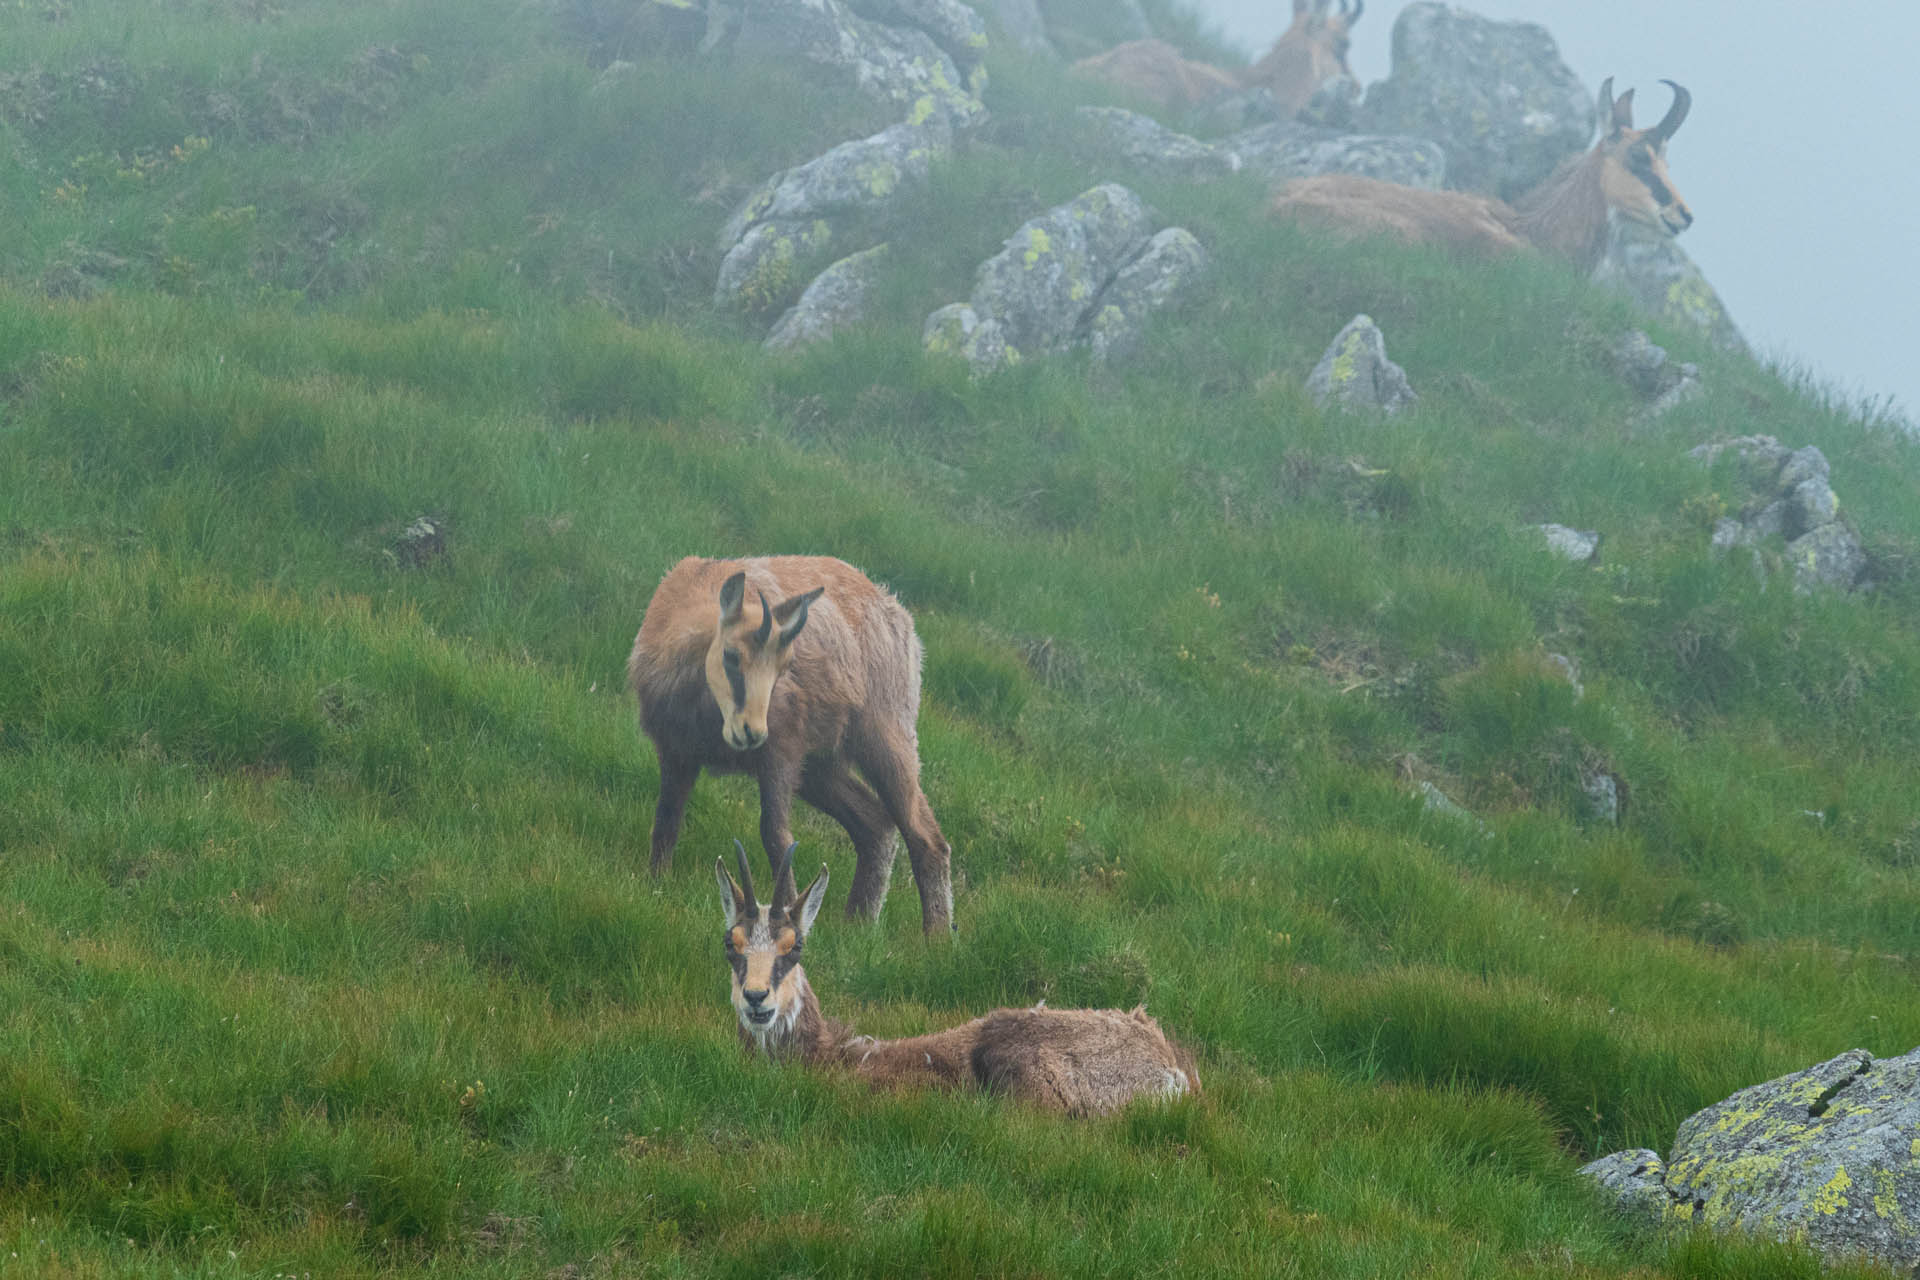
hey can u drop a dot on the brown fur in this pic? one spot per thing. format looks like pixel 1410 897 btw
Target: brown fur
pixel 1567 216
pixel 1308 54
pixel 1083 1062
pixel 843 694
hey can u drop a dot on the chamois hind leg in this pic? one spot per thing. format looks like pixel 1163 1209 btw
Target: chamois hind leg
pixel 830 788
pixel 677 777
pixel 893 767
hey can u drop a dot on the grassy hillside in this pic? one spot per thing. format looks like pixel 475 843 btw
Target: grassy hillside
pixel 326 944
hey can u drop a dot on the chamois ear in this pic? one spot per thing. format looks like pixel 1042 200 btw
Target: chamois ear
pixel 810 901
pixel 733 903
pixel 791 614
pixel 733 593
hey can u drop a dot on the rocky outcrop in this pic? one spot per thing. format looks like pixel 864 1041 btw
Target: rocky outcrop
pixel 1663 383
pixel 1650 267
pixel 1356 375
pixel 1283 151
pixel 1149 146
pixel 1829 1156
pixel 1496 95
pixel 1582 546
pixel 836 298
pixel 959 32
pixel 841 200
pixel 902 65
pixel 1790 498
pixel 1087 272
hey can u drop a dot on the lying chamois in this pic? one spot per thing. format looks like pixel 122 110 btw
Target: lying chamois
pixel 1081 1061
pixel 1566 216
pixel 1308 54
pixel 826 681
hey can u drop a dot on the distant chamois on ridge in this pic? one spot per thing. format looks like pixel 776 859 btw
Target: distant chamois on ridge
pixel 1310 52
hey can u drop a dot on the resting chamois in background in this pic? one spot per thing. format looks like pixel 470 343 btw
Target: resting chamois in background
pixel 1625 174
pixel 1308 54
pixel 1080 1061
pixel 798 694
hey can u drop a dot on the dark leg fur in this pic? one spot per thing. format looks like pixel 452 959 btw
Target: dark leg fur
pixel 831 789
pixel 677 777
pixel 778 779
pixel 896 777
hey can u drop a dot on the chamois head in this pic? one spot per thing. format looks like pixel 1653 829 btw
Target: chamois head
pixel 763 945
pixel 748 654
pixel 1326 34
pixel 1633 172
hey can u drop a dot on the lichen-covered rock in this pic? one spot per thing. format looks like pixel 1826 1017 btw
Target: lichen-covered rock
pixel 1052 270
pixel 1496 95
pixel 1664 383
pixel 1829 1156
pixel 771 263
pixel 1582 546
pixel 1635 1181
pixel 1334 105
pixel 958 330
pixel 1601 792
pixel 1791 499
pixel 1651 268
pixel 1356 375
pixel 957 29
pixel 1162 276
pixel 1150 146
pixel 903 66
pixel 1020 22
pixel 846 197
pixel 1284 150
pixel 836 298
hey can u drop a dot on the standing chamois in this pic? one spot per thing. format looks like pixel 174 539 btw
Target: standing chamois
pixel 1308 54
pixel 822 683
pixel 1566 216
pixel 1081 1061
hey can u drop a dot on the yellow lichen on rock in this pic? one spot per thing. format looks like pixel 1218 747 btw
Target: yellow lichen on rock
pixel 1039 245
pixel 1832 1198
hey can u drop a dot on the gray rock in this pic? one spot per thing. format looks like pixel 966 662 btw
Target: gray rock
pixel 1642 365
pixel 836 298
pixel 1635 1183
pixel 1163 275
pixel 765 269
pixel 1435 801
pixel 1496 95
pixel 1020 22
pixel 901 66
pixel 1810 505
pixel 1334 105
pixel 958 330
pixel 1803 465
pixel 1650 267
pixel 1602 792
pixel 1769 521
pixel 1356 375
pixel 1284 150
pixel 1150 146
pixel 957 29
pixel 1051 271
pixel 1829 1156
pixel 1582 546
pixel 1761 457
pixel 847 197
pixel 1829 556
pixel 1569 671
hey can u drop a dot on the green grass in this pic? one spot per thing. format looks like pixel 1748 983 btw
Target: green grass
pixel 324 940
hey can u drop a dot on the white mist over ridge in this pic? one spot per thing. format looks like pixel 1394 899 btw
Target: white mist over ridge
pixel 1795 160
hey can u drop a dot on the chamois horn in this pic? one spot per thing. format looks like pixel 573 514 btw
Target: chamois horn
pixel 782 867
pixel 766 621
pixel 746 879
pixel 1676 114
pixel 1359 7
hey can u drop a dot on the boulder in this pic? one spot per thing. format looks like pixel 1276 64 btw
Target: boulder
pixel 1651 268
pixel 1052 270
pixel 1496 95
pixel 903 66
pixel 1601 791
pixel 1163 275
pixel 958 330
pixel 1334 105
pixel 1356 375
pixel 844 198
pixel 1829 556
pixel 960 32
pixel 1829 1156
pixel 1147 145
pixel 836 298
pixel 1020 22
pixel 1582 546
pixel 1792 499
pixel 1643 365
pixel 1283 151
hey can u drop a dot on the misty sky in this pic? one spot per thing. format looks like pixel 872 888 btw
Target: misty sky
pixel 1798 160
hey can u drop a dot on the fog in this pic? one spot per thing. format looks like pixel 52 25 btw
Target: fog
pixel 1797 159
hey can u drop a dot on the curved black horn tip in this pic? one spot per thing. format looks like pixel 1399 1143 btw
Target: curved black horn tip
pixel 746 876
pixel 1677 113
pixel 766 619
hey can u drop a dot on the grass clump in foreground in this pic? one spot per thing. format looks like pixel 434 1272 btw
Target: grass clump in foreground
pixel 325 944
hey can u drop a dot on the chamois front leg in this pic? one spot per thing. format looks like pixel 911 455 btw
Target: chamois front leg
pixel 677 777
pixel 778 779
pixel 834 791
